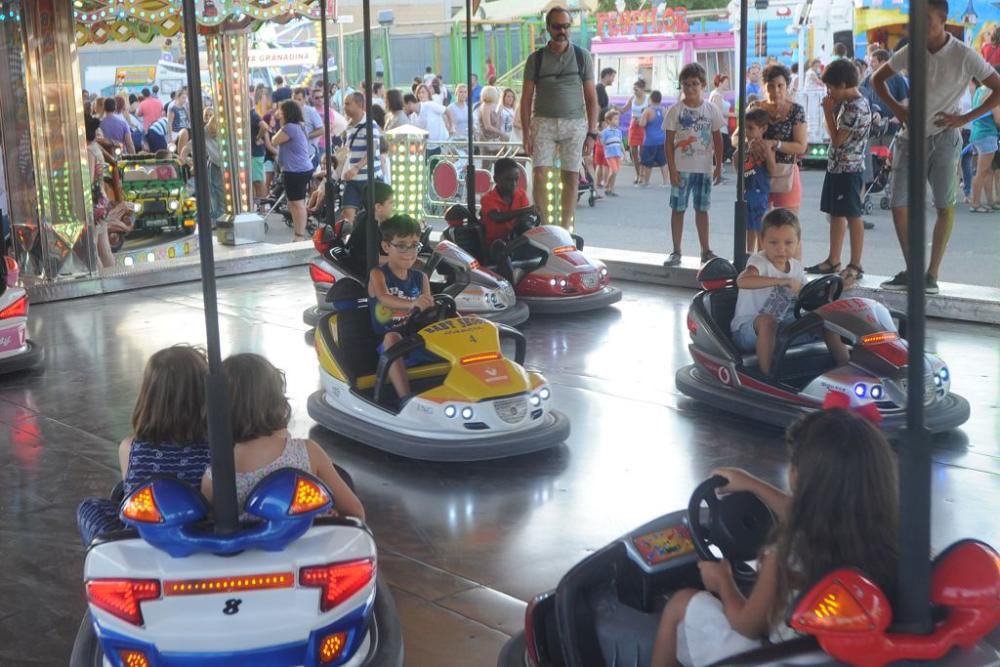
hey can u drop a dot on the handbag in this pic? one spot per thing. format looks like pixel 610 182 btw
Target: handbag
pixel 781 178
pixel 343 155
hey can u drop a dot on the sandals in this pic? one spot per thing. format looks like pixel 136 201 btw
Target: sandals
pixel 825 267
pixel 851 275
pixel 707 256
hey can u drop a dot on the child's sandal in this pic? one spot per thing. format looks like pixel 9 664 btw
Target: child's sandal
pixel 851 275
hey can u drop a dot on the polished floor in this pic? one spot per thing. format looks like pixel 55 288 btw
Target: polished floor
pixel 463 545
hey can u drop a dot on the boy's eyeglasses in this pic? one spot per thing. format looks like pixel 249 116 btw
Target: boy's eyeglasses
pixel 560 26
pixel 407 247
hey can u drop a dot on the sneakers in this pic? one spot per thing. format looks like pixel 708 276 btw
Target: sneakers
pixel 898 283
pixel 674 259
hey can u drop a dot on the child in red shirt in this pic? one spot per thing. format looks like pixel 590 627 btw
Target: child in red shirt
pixel 504 204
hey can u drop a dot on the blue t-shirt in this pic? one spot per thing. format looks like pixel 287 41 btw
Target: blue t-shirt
pixel 384 318
pixel 295 155
pixel 611 138
pixel 655 134
pixel 984 126
pixel 754 89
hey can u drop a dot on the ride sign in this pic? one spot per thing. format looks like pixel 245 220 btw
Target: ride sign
pixel 642 22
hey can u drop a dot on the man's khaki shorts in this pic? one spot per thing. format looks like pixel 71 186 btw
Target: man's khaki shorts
pixel 944 152
pixel 558 138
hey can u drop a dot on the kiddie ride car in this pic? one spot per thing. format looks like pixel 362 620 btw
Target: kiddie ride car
pixel 543 262
pixel 470 404
pixel 157 188
pixel 17 353
pixel 292 587
pixel 605 611
pixel 802 375
pixel 451 270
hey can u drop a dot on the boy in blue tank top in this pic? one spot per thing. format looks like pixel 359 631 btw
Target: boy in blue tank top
pixel 395 288
pixel 757 168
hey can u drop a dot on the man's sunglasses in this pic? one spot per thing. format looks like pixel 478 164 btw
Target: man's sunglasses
pixel 560 26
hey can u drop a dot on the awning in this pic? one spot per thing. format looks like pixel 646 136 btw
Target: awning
pixel 514 10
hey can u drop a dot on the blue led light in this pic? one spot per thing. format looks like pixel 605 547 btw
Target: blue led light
pixel 877 392
pixel 860 390
pixel 944 374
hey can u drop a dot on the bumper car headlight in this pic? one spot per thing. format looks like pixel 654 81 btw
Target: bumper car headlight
pixel 876 392
pixel 545 393
pixel 172 205
pixel 536 401
pixel 944 374
pixel 467 414
pixel 450 411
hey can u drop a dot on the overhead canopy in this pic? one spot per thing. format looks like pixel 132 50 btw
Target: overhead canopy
pixel 513 10
pixel 98 21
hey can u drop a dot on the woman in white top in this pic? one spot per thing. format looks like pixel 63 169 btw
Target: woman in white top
pixel 636 133
pixel 718 98
pixel 813 73
pixel 510 119
pixel 432 116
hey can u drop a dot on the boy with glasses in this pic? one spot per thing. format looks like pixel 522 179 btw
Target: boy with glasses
pixel 395 288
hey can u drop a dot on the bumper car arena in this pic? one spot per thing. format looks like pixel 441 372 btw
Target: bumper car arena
pixel 462 547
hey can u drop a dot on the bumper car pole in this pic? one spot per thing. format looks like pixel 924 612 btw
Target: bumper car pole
pixel 373 238
pixel 740 206
pixel 328 212
pixel 470 167
pixel 912 607
pixel 219 434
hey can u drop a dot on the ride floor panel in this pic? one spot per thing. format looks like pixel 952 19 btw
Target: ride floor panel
pixel 464 545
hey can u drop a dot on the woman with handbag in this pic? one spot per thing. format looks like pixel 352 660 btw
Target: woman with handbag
pixel 294 158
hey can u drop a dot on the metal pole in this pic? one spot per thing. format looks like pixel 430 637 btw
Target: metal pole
pixel 373 232
pixel 912 611
pixel 328 139
pixel 342 63
pixel 470 168
pixel 740 206
pixel 220 436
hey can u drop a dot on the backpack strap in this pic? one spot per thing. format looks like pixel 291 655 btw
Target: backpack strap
pixel 577 51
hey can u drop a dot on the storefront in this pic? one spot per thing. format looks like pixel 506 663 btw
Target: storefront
pixel 44 144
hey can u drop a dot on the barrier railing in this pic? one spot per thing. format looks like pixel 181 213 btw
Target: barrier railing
pixel 447 168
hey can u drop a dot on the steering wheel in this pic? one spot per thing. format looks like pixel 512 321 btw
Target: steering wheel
pixel 444 308
pixel 819 293
pixel 526 222
pixel 738 524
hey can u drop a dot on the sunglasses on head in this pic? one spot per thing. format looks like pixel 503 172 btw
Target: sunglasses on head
pixel 560 26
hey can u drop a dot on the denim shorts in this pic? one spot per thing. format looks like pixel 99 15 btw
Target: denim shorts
pixel 985 145
pixel 653 156
pixel 697 186
pixel 756 208
pixel 745 336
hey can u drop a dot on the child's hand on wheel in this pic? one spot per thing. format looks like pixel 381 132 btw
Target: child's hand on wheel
pixel 739 480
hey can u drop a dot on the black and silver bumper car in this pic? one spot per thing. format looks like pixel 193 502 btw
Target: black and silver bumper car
pixel 802 375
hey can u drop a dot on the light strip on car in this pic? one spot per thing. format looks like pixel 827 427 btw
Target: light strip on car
pixel 246 582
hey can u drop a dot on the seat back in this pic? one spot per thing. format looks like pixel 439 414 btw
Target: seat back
pixel 470 239
pixel 353 342
pixel 722 307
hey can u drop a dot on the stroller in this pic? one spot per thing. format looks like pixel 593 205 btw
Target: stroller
pixel 587 185
pixel 881 183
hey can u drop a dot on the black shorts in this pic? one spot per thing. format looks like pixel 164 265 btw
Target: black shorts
pixel 841 196
pixel 296 183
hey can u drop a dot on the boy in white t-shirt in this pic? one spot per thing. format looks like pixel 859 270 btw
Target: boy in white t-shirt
pixel 694 158
pixel 768 289
pixel 951 64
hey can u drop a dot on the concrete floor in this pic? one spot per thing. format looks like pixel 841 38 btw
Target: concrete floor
pixel 463 545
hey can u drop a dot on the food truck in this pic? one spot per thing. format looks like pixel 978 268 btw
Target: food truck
pixel 654 44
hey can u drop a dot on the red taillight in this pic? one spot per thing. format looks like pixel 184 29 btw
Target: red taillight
pixel 319 275
pixel 246 582
pixel 713 285
pixel 842 602
pixel 339 581
pixel 121 597
pixel 893 351
pixel 530 641
pixel 319 240
pixel 308 496
pixel 17 309
pixel 692 325
pixel 332 647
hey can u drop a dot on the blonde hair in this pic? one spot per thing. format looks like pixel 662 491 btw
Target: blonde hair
pixel 490 95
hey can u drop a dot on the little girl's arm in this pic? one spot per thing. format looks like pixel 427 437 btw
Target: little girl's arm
pixel 124 449
pixel 344 500
pixel 741 480
pixel 206 487
pixel 749 616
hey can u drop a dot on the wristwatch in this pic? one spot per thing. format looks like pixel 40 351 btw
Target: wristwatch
pixel 592 135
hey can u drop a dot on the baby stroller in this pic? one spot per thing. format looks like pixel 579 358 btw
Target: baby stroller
pixel 587 185
pixel 881 183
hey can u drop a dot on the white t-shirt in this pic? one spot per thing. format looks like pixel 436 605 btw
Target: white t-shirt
pixel 694 148
pixel 774 300
pixel 949 72
pixel 719 100
pixel 431 118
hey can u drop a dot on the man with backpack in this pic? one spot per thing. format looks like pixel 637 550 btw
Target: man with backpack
pixel 559 88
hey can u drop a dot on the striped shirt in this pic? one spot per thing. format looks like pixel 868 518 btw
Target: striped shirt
pixel 357 141
pixel 160 127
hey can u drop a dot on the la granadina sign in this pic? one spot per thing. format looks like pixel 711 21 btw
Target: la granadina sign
pixel 640 22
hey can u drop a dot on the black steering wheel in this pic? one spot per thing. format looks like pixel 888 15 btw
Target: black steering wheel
pixel 737 523
pixel 818 293
pixel 444 308
pixel 525 222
